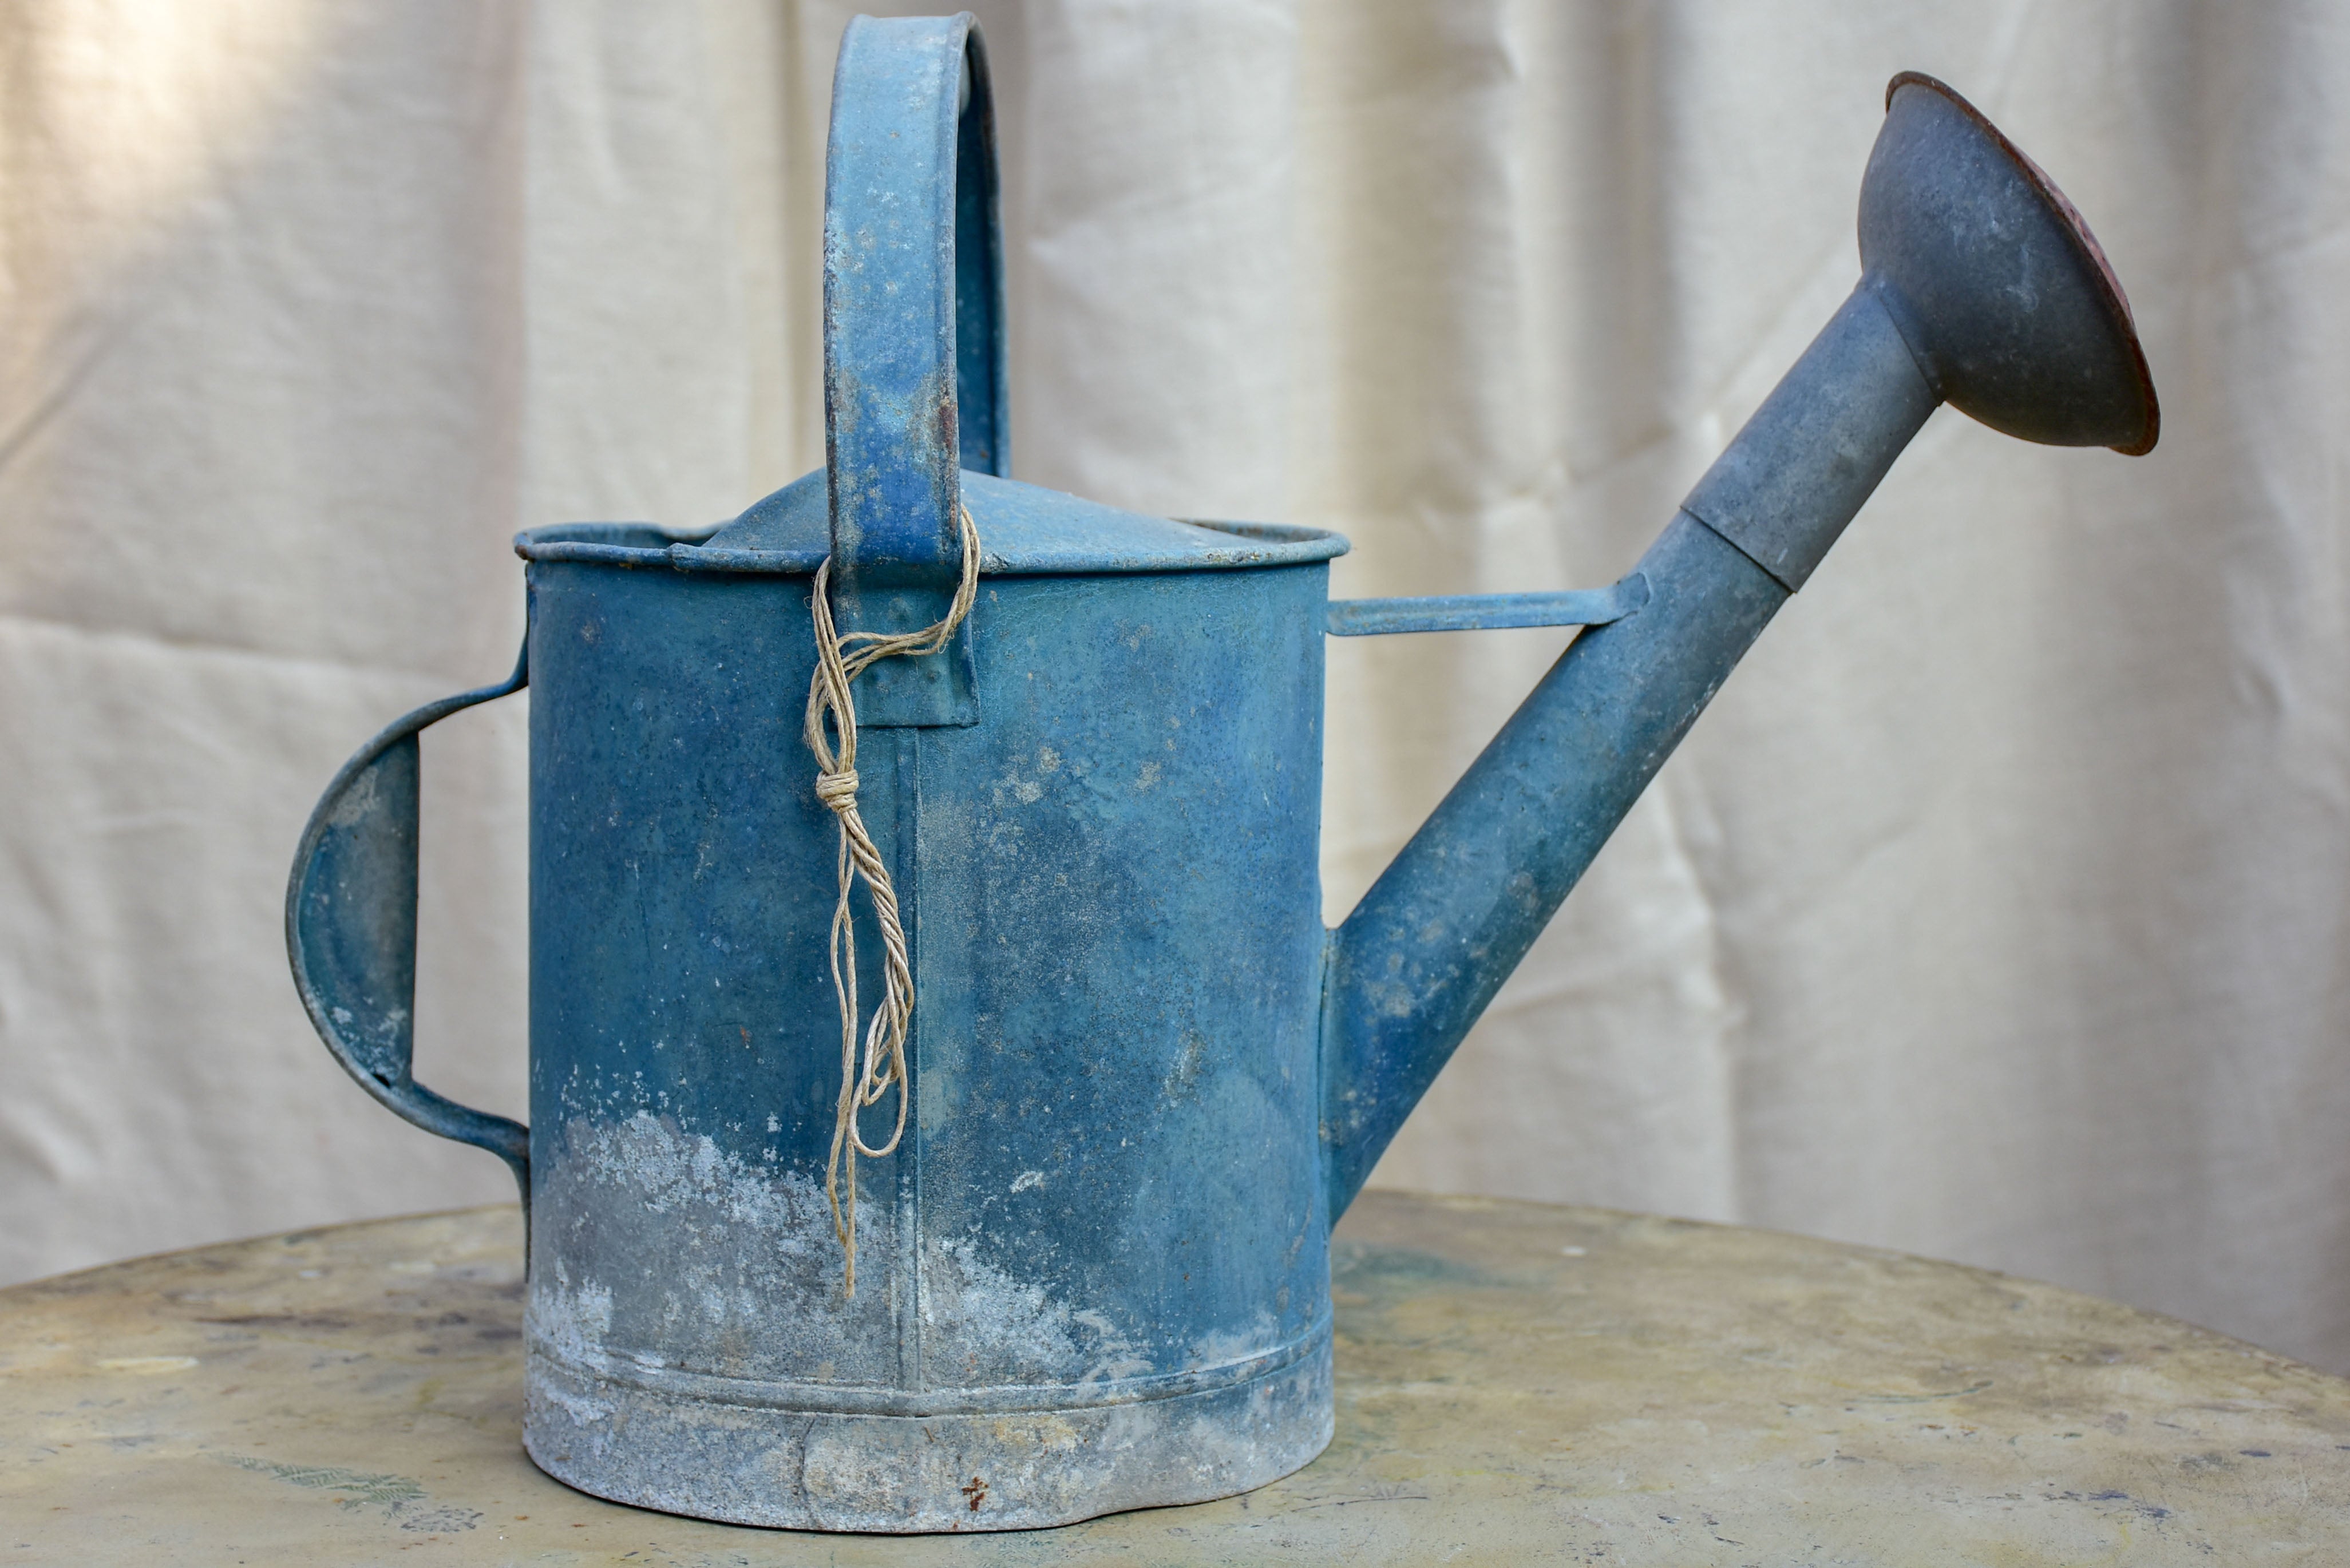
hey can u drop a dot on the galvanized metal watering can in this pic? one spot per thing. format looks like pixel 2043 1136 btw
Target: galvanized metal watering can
pixel 1142 1077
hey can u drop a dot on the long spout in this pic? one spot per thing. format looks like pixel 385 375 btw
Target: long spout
pixel 1979 286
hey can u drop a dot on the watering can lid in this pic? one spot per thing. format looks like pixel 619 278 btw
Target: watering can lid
pixel 1028 528
pixel 1023 529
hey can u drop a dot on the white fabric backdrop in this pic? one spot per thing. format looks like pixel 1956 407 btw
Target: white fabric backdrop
pixel 1997 910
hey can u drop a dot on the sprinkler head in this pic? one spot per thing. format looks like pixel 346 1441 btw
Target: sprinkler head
pixel 1996 284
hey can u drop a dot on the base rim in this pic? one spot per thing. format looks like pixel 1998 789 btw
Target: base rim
pixel 894 1474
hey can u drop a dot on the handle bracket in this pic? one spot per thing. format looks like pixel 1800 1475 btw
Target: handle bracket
pixel 1487 612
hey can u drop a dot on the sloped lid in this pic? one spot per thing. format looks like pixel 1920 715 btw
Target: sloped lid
pixel 1023 529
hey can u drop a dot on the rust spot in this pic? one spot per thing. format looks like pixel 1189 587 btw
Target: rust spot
pixel 976 1491
pixel 944 423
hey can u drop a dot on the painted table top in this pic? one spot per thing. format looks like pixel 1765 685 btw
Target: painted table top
pixel 1516 1383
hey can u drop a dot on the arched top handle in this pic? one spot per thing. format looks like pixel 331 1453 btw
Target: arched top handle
pixel 913 307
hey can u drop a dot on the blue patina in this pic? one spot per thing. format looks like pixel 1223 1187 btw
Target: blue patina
pixel 1145 1077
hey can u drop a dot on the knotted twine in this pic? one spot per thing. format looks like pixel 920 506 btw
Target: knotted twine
pixel 832 712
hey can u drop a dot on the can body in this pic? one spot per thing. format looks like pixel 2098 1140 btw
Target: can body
pixel 1094 1275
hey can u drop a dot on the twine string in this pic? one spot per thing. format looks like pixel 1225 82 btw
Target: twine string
pixel 831 732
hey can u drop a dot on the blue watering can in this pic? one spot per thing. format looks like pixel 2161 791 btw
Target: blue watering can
pixel 1139 1078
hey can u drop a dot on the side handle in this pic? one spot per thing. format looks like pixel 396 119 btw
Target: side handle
pixel 350 929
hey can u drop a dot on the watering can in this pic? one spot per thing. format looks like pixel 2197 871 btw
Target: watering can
pixel 1140 1078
